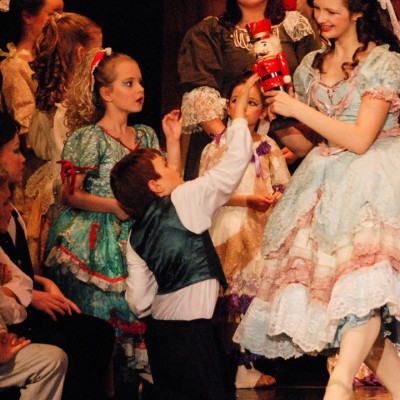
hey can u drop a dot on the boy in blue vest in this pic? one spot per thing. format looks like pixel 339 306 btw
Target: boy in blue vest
pixel 174 271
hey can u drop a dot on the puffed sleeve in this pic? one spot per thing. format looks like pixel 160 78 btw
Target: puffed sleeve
pixel 200 67
pixel 85 147
pixel 39 135
pixel 18 90
pixel 303 76
pixel 297 38
pixel 380 75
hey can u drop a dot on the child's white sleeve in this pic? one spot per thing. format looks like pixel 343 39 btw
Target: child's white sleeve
pixel 196 201
pixel 141 285
pixel 20 284
pixel 11 312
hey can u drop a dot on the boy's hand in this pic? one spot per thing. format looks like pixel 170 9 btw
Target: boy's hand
pixel 242 99
pixel 10 345
pixel 172 125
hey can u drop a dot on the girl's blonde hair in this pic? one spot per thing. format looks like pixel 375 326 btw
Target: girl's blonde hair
pixel 84 105
pixel 56 56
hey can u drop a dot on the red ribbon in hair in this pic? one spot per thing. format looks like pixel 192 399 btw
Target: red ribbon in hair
pixel 95 62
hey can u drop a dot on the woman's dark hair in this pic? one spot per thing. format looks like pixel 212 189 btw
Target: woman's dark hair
pixel 12 28
pixel 373 26
pixel 8 128
pixel 275 11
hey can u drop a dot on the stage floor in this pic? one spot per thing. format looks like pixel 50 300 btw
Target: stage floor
pixel 308 393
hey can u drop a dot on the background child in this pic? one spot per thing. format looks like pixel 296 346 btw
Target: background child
pixel 237 227
pixel 19 29
pixel 38 369
pixel 330 279
pixel 86 244
pixel 52 317
pixel 174 272
pixel 64 40
pixel 23 24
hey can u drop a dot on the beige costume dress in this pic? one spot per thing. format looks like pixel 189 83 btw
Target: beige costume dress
pixel 237 231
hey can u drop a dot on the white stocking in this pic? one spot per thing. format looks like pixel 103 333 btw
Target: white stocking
pixel 354 348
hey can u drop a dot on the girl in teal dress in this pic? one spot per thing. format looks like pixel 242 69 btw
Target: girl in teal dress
pixel 331 276
pixel 85 250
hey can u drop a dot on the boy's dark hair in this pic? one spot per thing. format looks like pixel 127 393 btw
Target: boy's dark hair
pixel 129 181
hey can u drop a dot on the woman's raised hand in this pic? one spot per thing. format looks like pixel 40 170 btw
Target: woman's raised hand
pixel 282 103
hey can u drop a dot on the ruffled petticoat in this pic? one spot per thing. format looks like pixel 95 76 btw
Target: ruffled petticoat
pixel 332 253
pixel 85 257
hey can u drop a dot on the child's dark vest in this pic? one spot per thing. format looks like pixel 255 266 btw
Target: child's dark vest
pixel 176 256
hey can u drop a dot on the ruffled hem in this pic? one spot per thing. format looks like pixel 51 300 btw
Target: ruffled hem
pixel 291 325
pixel 59 257
pixel 306 294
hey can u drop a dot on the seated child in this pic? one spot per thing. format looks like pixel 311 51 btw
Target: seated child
pixel 38 369
pixel 238 227
pixel 52 318
pixel 174 271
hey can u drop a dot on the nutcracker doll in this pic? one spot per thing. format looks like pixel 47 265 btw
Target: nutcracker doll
pixel 271 63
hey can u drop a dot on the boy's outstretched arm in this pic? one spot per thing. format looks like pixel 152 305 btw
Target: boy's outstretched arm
pixel 242 99
pixel 197 200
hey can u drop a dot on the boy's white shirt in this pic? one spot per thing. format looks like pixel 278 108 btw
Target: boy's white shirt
pixel 12 311
pixel 195 202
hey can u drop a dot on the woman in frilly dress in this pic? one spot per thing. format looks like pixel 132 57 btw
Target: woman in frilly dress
pixel 332 251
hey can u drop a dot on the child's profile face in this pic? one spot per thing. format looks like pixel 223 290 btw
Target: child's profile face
pixel 169 176
pixel 12 160
pixel 255 109
pixel 126 92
